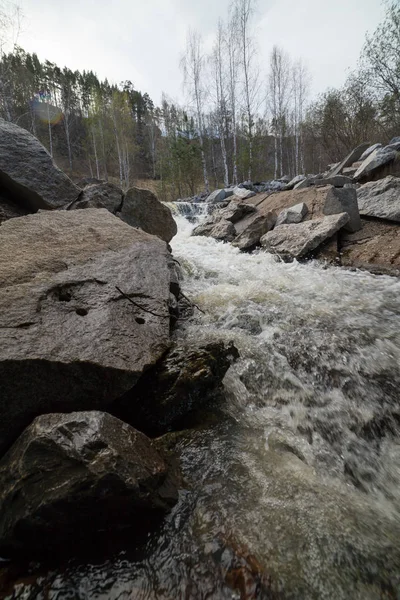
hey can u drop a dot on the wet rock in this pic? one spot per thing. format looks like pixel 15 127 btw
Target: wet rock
pixel 28 173
pixel 223 230
pixel 204 228
pixel 235 211
pixel 255 227
pixel 380 199
pixel 297 241
pixel 100 195
pixel 349 160
pixel 69 340
pixel 336 181
pixel 243 193
pixel 216 196
pixel 173 394
pixel 141 208
pixel 339 200
pixel 73 477
pixel 294 214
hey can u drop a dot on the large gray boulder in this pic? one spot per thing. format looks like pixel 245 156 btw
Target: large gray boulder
pixel 100 195
pixel 141 208
pixel 296 241
pixel 339 200
pixel 69 339
pixel 375 161
pixel 255 227
pixel 294 214
pixel 380 199
pixel 28 172
pixel 72 477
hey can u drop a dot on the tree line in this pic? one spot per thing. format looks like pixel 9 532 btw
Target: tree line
pixel 237 122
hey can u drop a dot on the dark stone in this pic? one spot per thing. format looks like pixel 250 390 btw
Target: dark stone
pixel 28 172
pixel 100 195
pixel 172 395
pixel 73 478
pixel 141 208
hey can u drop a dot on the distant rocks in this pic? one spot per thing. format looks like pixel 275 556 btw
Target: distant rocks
pixel 69 339
pixel 243 193
pixel 28 174
pixel 72 478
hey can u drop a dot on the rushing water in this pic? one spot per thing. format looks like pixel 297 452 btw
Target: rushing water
pixel 295 494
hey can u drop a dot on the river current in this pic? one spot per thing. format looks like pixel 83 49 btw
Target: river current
pixel 295 492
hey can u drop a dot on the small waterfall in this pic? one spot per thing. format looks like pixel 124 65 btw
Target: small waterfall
pixel 193 211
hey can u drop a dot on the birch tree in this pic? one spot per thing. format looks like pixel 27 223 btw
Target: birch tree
pixel 244 10
pixel 300 87
pixel 220 99
pixel 193 67
pixel 279 93
pixel 232 50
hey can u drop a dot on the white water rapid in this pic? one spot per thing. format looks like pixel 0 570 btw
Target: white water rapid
pixel 303 471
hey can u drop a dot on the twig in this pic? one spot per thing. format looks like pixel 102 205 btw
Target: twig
pixel 192 303
pixel 138 305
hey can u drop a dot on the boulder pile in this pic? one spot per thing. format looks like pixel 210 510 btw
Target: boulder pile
pixel 88 299
pixel 348 215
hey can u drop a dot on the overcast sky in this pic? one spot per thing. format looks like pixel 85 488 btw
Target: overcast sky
pixel 143 40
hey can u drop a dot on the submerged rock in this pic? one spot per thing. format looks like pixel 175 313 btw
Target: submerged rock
pixel 78 475
pixel 380 199
pixel 69 339
pixel 141 208
pixel 297 241
pixel 28 172
pixel 173 394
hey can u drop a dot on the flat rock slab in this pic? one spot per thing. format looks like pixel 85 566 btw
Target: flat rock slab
pixel 68 338
pixel 141 208
pixel 380 199
pixel 28 172
pixel 71 476
pixel 375 162
pixel 297 241
pixel 351 158
pixel 376 247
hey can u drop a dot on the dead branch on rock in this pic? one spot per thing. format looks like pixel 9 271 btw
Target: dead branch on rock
pixel 139 306
pixel 192 303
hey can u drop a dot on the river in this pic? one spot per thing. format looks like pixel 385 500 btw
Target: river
pixel 295 492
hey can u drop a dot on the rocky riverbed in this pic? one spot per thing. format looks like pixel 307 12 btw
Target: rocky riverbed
pixel 198 420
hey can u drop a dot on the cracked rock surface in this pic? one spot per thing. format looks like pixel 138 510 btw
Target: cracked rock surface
pixel 69 339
